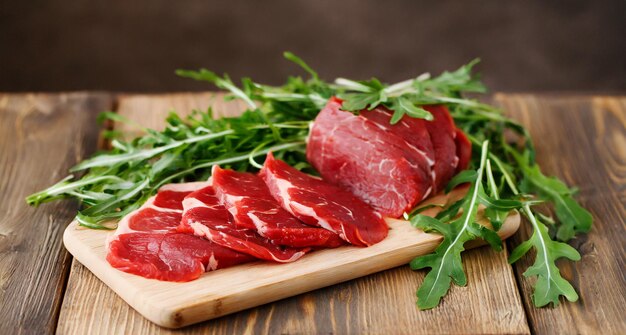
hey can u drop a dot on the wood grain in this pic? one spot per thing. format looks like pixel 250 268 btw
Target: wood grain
pixel 381 303
pixel 41 136
pixel 582 139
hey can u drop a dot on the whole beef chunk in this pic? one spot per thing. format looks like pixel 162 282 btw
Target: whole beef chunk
pixel 373 163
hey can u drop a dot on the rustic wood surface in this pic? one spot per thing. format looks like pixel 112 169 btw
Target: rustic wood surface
pixel 493 308
pixel 583 141
pixel 579 138
pixel 41 137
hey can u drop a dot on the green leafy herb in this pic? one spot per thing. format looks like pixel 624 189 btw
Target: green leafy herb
pixel 503 176
pixel 550 285
pixel 445 262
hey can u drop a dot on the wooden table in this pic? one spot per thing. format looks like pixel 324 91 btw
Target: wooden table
pixel 580 138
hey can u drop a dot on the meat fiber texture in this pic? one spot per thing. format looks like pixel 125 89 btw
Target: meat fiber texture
pixel 390 167
pixel 319 203
pixel 442 134
pixel 147 243
pixel 205 216
pixel 376 165
pixel 248 199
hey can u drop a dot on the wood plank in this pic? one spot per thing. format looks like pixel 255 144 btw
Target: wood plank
pixel 380 303
pixel 582 139
pixel 41 136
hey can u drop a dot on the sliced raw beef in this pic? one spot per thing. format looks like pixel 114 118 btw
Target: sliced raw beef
pixel 463 150
pixel 205 216
pixel 319 203
pixel 442 133
pixel 376 165
pixel 412 130
pixel 248 199
pixel 147 244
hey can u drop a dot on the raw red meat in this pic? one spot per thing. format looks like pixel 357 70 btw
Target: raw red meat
pixel 463 150
pixel 319 203
pixel 442 133
pixel 205 216
pixel 248 199
pixel 377 166
pixel 147 244
pixel 412 130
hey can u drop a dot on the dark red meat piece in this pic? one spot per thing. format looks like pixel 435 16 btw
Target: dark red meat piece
pixel 463 150
pixel 146 242
pixel 412 130
pixel 205 216
pixel 319 203
pixel 248 199
pixel 154 220
pixel 170 257
pixel 374 164
pixel 442 133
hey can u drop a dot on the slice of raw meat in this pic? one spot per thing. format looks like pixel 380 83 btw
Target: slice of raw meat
pixel 319 203
pixel 442 133
pixel 170 257
pixel 412 130
pixel 377 166
pixel 147 244
pixel 463 150
pixel 205 216
pixel 248 199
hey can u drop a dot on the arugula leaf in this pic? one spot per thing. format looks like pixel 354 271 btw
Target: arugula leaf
pixel 549 285
pixel 466 176
pixel 445 262
pixel 573 218
pixel 402 105
pixel 495 216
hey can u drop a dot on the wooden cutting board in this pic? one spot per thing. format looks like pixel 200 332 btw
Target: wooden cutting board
pixel 225 291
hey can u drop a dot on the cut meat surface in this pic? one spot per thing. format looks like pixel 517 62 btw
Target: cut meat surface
pixel 442 134
pixel 319 203
pixel 463 150
pixel 205 216
pixel 146 242
pixel 248 199
pixel 170 257
pixel 412 130
pixel 377 166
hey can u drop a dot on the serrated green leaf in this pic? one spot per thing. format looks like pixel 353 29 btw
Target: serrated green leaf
pixel 572 217
pixel 520 251
pixel 466 176
pixel 504 205
pixel 549 285
pixel 487 235
pixel 402 105
pixel 428 224
pixel 358 101
pixel 445 262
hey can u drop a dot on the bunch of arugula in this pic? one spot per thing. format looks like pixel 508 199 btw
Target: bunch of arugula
pixel 503 176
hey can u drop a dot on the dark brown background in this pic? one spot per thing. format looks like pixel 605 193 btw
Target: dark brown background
pixel 136 45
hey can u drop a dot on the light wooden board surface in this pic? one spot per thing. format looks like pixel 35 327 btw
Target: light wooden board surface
pixel 582 139
pixel 41 136
pixel 384 302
